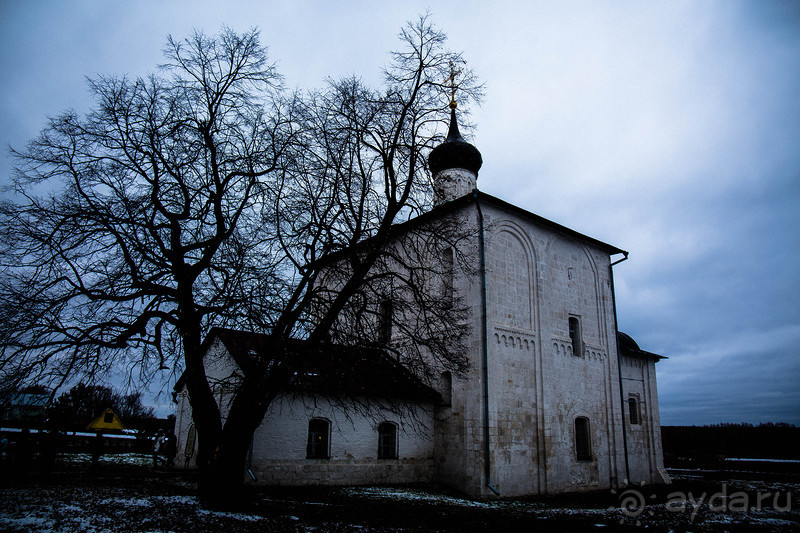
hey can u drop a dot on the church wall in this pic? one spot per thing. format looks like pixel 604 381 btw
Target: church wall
pixel 279 451
pixel 221 374
pixel 514 357
pixel 645 453
pixel 584 378
pixel 536 279
pixel 458 436
pixel 183 421
pixel 459 426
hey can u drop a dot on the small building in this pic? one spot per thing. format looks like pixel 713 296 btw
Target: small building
pixel 27 409
pixel 107 421
pixel 350 417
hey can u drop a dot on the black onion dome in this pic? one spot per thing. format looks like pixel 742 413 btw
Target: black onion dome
pixel 454 152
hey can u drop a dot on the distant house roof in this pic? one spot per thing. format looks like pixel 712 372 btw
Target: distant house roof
pixel 26 406
pixel 27 399
pixel 629 348
pixel 108 421
pixel 328 369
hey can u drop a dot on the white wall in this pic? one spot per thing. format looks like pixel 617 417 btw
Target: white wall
pixel 279 451
pixel 279 444
pixel 536 279
pixel 645 452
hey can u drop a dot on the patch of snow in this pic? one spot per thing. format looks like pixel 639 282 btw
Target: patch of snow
pixel 131 502
pixel 176 500
pixel 407 494
pixel 234 516
pixel 29 523
pixel 70 508
pixel 795 461
pixel 774 522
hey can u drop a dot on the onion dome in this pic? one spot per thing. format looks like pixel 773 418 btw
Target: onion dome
pixel 454 152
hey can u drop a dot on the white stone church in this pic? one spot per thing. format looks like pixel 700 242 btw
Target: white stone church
pixel 556 399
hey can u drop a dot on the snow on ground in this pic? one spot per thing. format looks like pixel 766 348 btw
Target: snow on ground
pixel 398 493
pixel 83 510
pixel 109 459
pixel 750 460
pixel 125 494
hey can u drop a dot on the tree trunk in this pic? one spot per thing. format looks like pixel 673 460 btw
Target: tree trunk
pixel 221 479
pixel 223 473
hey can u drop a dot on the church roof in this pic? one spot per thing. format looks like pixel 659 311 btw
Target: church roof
pixel 541 221
pixel 329 368
pixel 629 348
pixel 486 199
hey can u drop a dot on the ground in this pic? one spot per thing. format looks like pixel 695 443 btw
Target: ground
pixel 124 493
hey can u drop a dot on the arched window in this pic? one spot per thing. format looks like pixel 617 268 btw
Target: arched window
pixel 583 439
pixel 633 408
pixel 575 336
pixel 319 431
pixel 385 321
pixel 387 440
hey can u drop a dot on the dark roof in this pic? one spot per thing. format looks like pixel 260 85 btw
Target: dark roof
pixel 30 399
pixel 549 224
pixel 505 206
pixel 328 368
pixel 454 152
pixel 629 348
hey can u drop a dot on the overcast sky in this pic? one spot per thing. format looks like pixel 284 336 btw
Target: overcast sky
pixel 668 129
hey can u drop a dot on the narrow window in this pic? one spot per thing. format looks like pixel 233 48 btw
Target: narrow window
pixel 108 418
pixel 446 388
pixel 318 441
pixel 575 336
pixel 583 442
pixel 447 285
pixel 385 321
pixel 633 407
pixel 387 440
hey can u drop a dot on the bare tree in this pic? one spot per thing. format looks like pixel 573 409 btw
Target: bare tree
pixel 74 409
pixel 208 196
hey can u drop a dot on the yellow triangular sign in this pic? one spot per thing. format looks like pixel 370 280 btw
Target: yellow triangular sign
pixel 107 420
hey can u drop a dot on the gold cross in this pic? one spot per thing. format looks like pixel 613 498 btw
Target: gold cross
pixel 452 80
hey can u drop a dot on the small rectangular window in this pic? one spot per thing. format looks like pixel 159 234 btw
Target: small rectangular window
pixel 633 408
pixel 385 321
pixel 387 441
pixel 575 336
pixel 583 440
pixel 318 432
